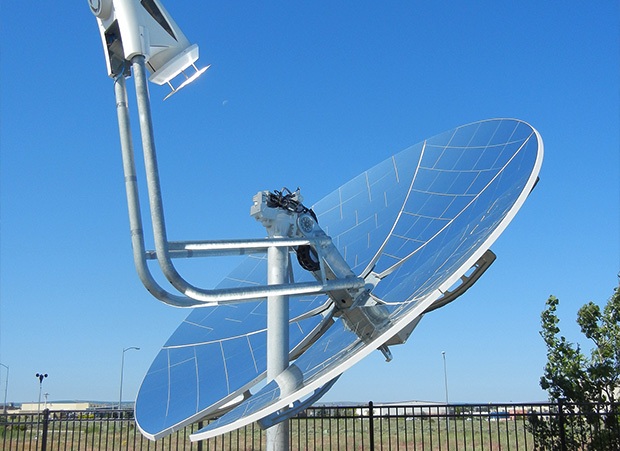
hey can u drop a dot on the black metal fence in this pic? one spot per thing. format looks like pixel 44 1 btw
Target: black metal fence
pixel 541 426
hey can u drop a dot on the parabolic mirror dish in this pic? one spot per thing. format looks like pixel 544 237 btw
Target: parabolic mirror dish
pixel 411 226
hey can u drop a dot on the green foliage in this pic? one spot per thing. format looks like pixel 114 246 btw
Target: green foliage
pixel 580 383
pixel 573 376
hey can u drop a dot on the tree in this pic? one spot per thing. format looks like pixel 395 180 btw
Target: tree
pixel 585 387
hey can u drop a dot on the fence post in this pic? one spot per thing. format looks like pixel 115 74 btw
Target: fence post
pixel 371 425
pixel 200 426
pixel 46 421
pixel 561 424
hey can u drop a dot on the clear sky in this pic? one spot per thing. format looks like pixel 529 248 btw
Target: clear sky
pixel 304 94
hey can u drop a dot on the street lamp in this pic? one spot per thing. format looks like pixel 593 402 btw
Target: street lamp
pixel 445 375
pixel 120 396
pixel 40 376
pixel 6 386
pixel 445 381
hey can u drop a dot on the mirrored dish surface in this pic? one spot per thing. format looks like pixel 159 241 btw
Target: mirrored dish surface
pixel 217 353
pixel 213 357
pixel 413 225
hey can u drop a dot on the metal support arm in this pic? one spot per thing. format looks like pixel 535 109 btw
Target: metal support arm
pixel 133 203
pixel 192 296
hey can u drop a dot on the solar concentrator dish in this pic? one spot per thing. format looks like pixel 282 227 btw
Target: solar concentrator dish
pixel 411 226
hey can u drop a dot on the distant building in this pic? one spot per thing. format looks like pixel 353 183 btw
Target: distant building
pixel 10 407
pixel 60 405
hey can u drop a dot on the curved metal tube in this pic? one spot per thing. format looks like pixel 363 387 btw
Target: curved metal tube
pixel 210 297
pixel 133 204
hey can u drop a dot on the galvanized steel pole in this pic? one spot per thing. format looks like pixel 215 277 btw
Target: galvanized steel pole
pixel 277 337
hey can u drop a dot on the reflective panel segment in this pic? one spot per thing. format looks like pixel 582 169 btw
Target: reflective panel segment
pixel 201 367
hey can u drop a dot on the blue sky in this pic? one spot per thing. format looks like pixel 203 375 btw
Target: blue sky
pixel 304 94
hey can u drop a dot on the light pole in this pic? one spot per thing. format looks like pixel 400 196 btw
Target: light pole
pixel 445 374
pixel 445 380
pixel 120 396
pixel 40 376
pixel 6 386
